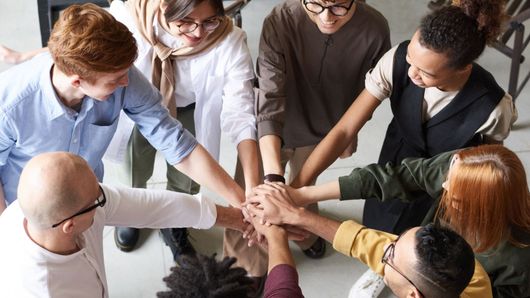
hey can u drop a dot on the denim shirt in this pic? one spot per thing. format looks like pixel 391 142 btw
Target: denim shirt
pixel 33 120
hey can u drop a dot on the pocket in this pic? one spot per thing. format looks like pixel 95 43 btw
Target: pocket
pixel 100 135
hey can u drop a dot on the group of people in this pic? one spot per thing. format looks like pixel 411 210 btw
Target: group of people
pixel 440 219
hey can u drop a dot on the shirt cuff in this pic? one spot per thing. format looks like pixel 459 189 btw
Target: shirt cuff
pixel 345 236
pixel 350 186
pixel 269 127
pixel 186 145
pixel 245 134
pixel 208 215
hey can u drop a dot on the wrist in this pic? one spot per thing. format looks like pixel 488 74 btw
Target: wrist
pixel 303 196
pixel 276 233
pixel 274 178
pixel 297 216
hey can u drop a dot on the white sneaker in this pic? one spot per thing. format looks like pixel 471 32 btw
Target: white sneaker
pixel 369 285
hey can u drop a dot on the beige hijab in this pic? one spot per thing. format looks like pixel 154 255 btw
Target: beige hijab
pixel 163 77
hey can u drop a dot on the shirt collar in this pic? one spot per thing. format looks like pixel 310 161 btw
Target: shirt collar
pixel 54 107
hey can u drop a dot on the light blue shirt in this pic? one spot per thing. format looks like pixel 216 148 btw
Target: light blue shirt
pixel 33 120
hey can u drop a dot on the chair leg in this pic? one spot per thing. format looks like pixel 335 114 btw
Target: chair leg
pixel 45 21
pixel 516 61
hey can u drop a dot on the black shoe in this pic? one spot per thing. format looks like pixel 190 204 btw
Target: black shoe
pixel 178 242
pixel 317 250
pixel 126 238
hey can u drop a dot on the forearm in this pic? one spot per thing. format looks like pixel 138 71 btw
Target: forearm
pixel 342 134
pixel 317 193
pixel 229 217
pixel 279 252
pixel 400 181
pixel 248 156
pixel 270 148
pixel 199 162
pixel 316 224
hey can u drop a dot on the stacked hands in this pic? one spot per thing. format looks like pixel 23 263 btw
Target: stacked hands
pixel 271 209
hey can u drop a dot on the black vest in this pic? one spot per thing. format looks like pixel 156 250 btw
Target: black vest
pixel 452 128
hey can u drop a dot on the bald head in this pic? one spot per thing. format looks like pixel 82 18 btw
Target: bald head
pixel 53 186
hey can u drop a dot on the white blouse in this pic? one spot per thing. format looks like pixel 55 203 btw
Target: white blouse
pixel 219 81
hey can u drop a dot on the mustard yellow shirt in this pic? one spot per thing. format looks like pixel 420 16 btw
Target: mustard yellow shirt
pixel 367 245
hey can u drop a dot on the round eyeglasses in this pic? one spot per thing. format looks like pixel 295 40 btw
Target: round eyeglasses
pixel 337 10
pixel 208 25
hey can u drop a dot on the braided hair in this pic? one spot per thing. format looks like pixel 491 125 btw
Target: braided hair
pixel 205 277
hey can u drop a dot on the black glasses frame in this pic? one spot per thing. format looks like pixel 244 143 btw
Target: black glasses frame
pixel 388 255
pixel 88 209
pixel 198 24
pixel 330 8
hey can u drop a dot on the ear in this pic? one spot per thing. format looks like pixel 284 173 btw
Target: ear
pixel 163 6
pixel 68 226
pixel 414 293
pixel 75 81
pixel 466 68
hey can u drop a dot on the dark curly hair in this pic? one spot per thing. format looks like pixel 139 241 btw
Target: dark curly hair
pixel 205 277
pixel 463 29
pixel 446 262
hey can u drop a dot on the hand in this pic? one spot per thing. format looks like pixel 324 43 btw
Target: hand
pixel 297 194
pixel 9 56
pixel 296 234
pixel 352 147
pixel 252 234
pixel 272 204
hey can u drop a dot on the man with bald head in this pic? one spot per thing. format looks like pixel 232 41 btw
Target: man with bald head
pixel 52 236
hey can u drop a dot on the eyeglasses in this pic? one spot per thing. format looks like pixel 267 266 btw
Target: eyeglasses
pixel 337 10
pixel 208 25
pixel 98 203
pixel 388 257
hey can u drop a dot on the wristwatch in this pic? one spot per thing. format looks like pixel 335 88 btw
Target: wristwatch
pixel 274 178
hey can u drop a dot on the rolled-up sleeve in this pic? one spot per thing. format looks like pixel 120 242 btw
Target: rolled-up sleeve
pixel 401 181
pixel 367 245
pixel 378 80
pixel 238 119
pixel 500 121
pixel 142 103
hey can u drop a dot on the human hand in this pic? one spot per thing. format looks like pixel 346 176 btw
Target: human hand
pixel 271 232
pixel 252 234
pixel 272 204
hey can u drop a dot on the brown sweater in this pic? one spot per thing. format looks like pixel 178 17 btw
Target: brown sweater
pixel 308 79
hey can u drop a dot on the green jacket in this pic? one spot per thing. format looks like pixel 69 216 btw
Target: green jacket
pixel 507 265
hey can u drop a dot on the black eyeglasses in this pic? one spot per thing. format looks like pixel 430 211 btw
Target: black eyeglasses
pixel 98 203
pixel 208 25
pixel 337 10
pixel 388 256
